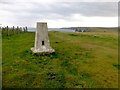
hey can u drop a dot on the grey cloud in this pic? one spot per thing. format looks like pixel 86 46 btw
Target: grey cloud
pixel 107 9
pixel 59 10
pixel 103 9
pixel 63 10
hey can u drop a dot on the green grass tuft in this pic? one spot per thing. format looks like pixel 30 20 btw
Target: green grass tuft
pixel 117 66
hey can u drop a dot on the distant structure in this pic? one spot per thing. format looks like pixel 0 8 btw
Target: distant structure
pixel 42 44
pixel 81 29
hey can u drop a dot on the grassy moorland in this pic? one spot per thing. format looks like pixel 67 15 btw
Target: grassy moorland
pixel 81 60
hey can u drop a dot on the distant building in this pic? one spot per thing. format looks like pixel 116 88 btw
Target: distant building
pixel 81 29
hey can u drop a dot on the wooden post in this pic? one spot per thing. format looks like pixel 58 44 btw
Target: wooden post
pixel 26 29
pixel 17 30
pixel 13 30
pixel 20 29
pixel 7 31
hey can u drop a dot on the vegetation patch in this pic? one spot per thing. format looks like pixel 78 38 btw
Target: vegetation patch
pixel 72 34
pixel 117 66
pixel 80 61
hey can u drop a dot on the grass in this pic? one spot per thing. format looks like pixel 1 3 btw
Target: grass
pixel 81 60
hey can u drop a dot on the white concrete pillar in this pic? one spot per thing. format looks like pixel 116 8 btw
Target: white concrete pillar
pixel 42 44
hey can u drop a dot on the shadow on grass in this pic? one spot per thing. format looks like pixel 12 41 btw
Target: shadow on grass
pixel 73 35
pixel 56 80
pixel 117 66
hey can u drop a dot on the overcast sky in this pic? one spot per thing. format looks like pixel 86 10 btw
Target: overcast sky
pixel 70 13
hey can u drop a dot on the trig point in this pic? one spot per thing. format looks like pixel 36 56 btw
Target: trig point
pixel 42 43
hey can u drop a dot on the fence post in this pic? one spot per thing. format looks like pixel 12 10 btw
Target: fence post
pixel 7 31
pixel 13 30
pixel 26 29
pixel 17 29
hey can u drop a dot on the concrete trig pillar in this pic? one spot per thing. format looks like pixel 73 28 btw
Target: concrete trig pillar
pixel 42 43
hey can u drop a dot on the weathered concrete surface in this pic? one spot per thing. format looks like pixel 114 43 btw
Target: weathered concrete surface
pixel 42 44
